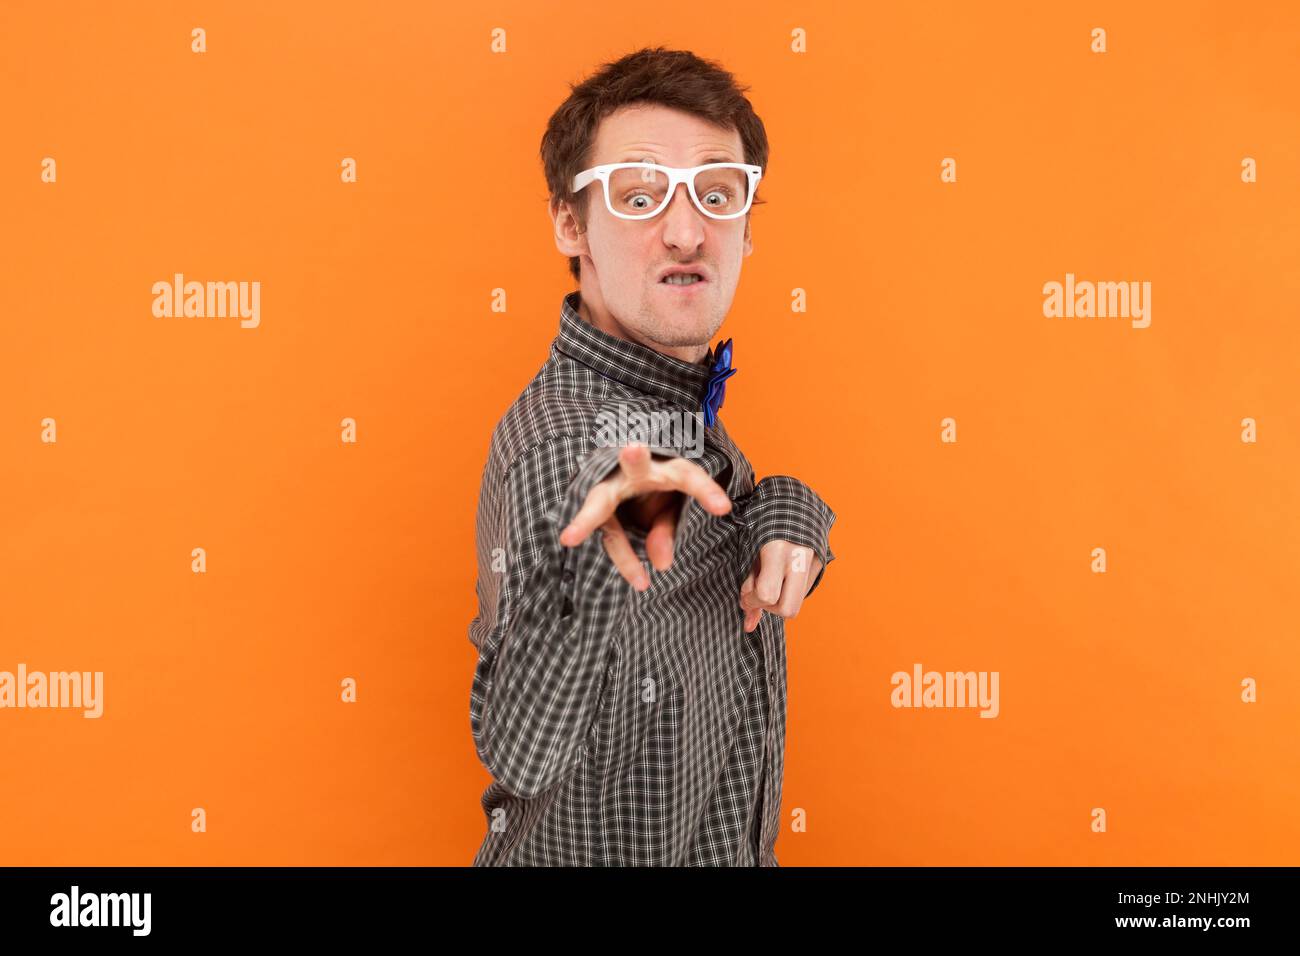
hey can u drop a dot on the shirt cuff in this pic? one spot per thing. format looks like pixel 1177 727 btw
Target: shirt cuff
pixel 784 508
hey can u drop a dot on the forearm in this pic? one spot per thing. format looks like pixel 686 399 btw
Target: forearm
pixel 536 695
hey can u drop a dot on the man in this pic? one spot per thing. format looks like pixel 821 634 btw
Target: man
pixel 635 715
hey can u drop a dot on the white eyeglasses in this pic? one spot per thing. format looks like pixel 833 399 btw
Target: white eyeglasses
pixel 643 190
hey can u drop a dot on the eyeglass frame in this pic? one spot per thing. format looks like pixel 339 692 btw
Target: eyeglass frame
pixel 675 175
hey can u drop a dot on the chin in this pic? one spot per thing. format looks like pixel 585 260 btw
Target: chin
pixel 682 330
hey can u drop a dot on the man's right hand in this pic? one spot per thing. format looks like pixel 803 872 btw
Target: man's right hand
pixel 657 490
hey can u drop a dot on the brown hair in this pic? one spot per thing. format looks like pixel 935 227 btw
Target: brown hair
pixel 673 78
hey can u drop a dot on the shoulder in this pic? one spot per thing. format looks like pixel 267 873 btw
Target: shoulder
pixel 557 418
pixel 554 415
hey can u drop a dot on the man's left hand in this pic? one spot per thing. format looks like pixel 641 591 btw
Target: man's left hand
pixel 782 574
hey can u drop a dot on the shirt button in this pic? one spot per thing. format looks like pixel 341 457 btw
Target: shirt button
pixel 567 577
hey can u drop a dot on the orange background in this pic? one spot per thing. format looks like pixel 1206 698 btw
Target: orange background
pixel 327 560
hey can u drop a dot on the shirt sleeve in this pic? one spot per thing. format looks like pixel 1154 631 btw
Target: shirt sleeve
pixel 542 661
pixel 781 507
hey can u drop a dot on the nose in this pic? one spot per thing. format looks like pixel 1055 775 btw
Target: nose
pixel 683 223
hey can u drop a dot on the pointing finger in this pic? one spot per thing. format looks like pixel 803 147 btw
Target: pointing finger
pixel 752 614
pixel 749 601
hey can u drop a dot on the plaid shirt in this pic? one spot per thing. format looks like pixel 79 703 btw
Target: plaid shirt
pixel 625 728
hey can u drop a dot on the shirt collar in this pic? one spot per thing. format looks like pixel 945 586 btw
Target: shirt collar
pixel 631 363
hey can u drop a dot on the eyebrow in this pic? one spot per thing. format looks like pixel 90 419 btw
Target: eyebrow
pixel 644 159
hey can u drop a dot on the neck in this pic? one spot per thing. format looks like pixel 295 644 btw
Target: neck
pixel 608 324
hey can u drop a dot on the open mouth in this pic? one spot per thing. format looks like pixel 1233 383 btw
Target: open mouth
pixel 682 278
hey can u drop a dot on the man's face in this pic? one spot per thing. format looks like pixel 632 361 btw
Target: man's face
pixel 623 259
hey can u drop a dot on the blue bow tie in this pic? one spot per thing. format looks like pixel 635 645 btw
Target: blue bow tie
pixel 717 387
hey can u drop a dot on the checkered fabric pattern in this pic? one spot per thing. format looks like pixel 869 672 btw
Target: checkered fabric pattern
pixel 625 728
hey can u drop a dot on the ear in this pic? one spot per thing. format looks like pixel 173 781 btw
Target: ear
pixel 570 234
pixel 748 241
